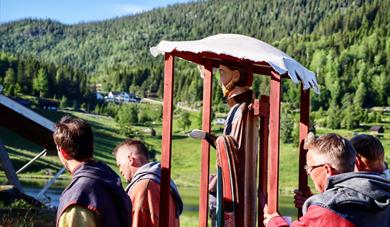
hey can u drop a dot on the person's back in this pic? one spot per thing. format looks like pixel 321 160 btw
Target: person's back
pixel 144 191
pixel 95 196
pixel 370 155
pixel 97 187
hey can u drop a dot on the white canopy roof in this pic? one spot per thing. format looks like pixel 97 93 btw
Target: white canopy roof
pixel 245 48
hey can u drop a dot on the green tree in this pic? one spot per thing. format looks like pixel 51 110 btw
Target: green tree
pixel 64 102
pixel 126 117
pixel 333 120
pixel 41 83
pixel 9 82
pixel 184 120
pixel 360 94
pixel 286 124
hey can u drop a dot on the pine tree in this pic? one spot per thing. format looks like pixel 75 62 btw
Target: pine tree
pixel 9 82
pixel 40 83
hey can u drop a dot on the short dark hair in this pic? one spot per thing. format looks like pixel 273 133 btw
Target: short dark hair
pixel 75 136
pixel 141 148
pixel 369 147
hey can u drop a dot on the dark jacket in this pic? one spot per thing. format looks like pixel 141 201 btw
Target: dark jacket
pixel 97 187
pixel 350 199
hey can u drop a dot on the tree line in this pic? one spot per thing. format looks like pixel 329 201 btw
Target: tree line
pixel 346 43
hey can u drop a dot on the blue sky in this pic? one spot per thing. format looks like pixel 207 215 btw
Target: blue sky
pixel 75 11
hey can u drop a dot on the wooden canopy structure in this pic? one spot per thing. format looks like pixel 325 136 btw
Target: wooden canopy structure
pixel 27 123
pixel 263 59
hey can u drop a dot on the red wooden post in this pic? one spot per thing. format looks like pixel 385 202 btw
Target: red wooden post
pixel 205 159
pixel 166 140
pixel 274 133
pixel 263 156
pixel 303 131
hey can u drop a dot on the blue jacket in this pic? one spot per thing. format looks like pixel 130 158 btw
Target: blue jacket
pixel 97 187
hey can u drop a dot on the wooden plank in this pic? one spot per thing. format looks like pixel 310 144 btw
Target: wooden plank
pixel 263 157
pixel 166 140
pixel 250 166
pixel 304 125
pixel 205 159
pixel 274 133
pixel 9 168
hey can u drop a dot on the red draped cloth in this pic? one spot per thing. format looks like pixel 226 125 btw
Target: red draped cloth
pixel 236 168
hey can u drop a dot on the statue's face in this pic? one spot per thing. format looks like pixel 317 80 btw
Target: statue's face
pixel 226 74
pixel 228 79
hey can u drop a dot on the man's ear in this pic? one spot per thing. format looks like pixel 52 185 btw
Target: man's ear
pixel 64 153
pixel 131 159
pixel 330 171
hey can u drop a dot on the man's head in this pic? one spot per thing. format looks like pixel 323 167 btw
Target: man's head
pixel 328 155
pixel 370 153
pixel 74 139
pixel 130 155
pixel 234 76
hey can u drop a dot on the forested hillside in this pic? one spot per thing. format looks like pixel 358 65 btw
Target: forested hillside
pixel 347 43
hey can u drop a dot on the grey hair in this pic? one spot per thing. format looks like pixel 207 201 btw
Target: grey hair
pixel 334 150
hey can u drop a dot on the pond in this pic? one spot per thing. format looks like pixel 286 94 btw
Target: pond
pixel 50 198
pixel 52 195
pixel 189 195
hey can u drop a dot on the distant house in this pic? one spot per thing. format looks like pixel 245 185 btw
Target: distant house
pixel 377 129
pixel 122 97
pixel 48 104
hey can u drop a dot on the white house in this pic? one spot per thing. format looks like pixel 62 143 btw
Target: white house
pixel 122 97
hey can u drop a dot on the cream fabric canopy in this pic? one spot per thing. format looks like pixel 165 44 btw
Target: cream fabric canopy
pixel 244 47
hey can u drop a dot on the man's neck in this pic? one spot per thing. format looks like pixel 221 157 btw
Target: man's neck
pixel 73 165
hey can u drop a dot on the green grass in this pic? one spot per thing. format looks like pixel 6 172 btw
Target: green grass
pixel 186 156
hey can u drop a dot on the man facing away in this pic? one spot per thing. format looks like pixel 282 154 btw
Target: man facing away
pixel 370 156
pixel 347 198
pixel 95 196
pixel 144 185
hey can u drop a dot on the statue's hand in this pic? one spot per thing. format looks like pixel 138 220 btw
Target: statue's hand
pixel 200 134
pixel 197 134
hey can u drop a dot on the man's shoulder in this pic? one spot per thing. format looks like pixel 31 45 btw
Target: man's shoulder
pixel 145 185
pixel 318 215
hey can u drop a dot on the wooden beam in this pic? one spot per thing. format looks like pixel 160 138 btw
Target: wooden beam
pixel 304 125
pixel 166 140
pixel 263 157
pixel 274 135
pixel 250 165
pixel 205 159
pixel 9 168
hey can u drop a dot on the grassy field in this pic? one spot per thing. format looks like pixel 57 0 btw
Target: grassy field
pixel 185 158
